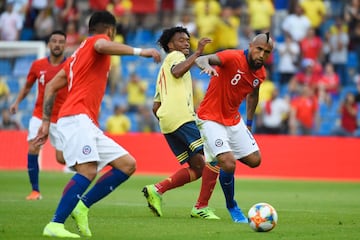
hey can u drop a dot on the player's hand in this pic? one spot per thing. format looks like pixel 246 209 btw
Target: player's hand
pixel 202 43
pixel 209 71
pixel 151 52
pixel 13 108
pixel 43 134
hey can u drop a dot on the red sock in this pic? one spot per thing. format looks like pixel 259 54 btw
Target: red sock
pixel 178 179
pixel 208 182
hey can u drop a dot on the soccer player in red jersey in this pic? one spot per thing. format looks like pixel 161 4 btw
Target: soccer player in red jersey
pixel 235 76
pixel 86 148
pixel 42 71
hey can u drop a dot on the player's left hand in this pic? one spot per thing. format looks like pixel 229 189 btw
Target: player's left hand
pixel 43 134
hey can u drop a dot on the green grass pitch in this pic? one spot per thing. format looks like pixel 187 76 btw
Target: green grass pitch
pixel 307 210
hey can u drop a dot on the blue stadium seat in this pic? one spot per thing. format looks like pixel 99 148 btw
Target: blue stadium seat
pixel 27 34
pixel 5 67
pixel 22 66
pixel 352 61
pixel 134 122
pixel 14 85
pixel 144 37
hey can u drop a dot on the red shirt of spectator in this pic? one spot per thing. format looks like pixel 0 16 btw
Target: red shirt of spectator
pixel 306 108
pixel 311 46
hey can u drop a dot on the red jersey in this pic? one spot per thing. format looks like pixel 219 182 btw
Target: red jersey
pixel 87 72
pixel 349 121
pixel 43 71
pixel 226 91
pixel 306 109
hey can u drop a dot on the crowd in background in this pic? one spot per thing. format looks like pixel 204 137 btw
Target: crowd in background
pixel 315 66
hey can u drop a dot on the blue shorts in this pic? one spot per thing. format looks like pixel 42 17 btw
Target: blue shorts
pixel 185 142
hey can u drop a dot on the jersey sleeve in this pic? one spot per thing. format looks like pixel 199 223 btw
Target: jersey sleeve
pixel 31 77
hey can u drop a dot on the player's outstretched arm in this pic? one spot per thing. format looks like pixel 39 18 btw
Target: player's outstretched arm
pixel 104 46
pixel 205 62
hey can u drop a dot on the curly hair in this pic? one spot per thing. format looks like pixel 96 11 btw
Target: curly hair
pixel 167 34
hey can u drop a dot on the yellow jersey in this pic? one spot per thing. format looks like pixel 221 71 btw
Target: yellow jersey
pixel 175 95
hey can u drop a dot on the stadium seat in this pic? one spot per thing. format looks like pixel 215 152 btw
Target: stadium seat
pixel 22 66
pixel 5 67
pixel 134 122
pixel 26 34
pixel 352 60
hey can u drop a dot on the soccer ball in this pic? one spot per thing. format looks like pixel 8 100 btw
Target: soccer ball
pixel 262 217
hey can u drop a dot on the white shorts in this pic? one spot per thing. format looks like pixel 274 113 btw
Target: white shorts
pixel 34 126
pixel 84 142
pixel 219 139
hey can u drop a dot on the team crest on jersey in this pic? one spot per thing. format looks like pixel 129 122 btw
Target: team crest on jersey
pixel 256 82
pixel 86 150
pixel 218 142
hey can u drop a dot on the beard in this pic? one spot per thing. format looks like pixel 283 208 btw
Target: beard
pixel 254 65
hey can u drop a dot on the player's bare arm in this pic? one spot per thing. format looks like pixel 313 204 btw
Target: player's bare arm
pixel 58 82
pixel 156 106
pixel 252 100
pixel 104 46
pixel 206 62
pixel 180 69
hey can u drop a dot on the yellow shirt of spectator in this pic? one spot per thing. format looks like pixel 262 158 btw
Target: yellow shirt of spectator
pixel 137 92
pixel 260 13
pixel 118 124
pixel 175 95
pixel 265 93
pixel 227 33
pixel 315 10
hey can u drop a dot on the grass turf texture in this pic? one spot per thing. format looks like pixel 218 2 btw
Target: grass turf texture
pixel 306 209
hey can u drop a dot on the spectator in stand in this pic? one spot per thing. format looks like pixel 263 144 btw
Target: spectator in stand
pixel 311 46
pixel 147 122
pixel 136 92
pixel 303 117
pixel 348 111
pixel 227 30
pixel 8 123
pixel 339 44
pixel 296 24
pixel 35 7
pixel 260 15
pixel 44 24
pixel 352 13
pixel 207 14
pixel 11 23
pixel 355 43
pixel 328 85
pixel 289 59
pixel 70 13
pixel 118 123
pixel 308 76
pixel 315 10
pixel 4 93
pixel 274 115
pixel 73 38
pixel 187 21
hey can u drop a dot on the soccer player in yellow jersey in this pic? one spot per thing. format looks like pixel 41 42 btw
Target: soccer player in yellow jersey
pixel 173 106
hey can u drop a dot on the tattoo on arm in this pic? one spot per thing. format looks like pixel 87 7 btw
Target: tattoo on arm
pixel 48 106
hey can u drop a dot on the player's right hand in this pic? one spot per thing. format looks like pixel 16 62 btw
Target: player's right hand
pixel 13 108
pixel 202 43
pixel 151 52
